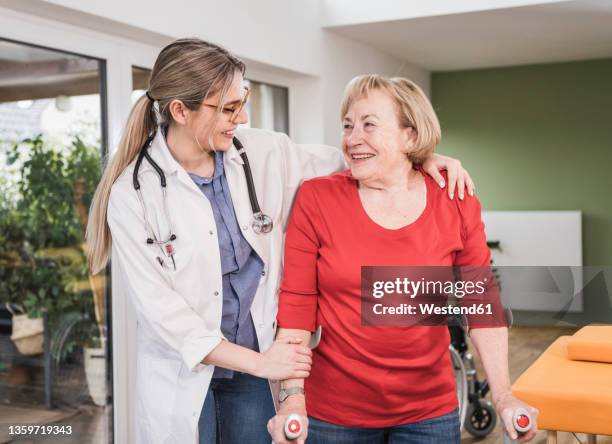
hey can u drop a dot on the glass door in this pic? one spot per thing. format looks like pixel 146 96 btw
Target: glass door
pixel 55 353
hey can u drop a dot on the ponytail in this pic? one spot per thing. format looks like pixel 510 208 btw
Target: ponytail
pixel 139 126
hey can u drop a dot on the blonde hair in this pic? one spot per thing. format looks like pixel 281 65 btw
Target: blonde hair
pixel 188 70
pixel 414 109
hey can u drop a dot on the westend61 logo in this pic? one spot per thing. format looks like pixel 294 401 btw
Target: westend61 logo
pixel 404 296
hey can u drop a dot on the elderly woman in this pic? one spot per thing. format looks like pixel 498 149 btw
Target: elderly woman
pixel 380 384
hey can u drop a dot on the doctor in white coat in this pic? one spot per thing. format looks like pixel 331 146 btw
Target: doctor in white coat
pixel 197 260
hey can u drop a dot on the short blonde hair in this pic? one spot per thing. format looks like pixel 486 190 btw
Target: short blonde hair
pixel 414 109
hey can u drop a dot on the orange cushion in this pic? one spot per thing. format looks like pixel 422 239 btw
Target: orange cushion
pixel 591 343
pixel 572 396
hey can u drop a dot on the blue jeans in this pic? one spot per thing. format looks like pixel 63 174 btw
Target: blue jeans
pixel 440 430
pixel 236 411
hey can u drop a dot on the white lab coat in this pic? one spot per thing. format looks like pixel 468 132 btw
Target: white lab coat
pixel 179 312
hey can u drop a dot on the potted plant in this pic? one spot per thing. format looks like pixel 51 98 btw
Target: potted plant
pixel 42 261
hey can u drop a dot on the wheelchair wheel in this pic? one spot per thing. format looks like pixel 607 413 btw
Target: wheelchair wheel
pixel 69 381
pixel 480 423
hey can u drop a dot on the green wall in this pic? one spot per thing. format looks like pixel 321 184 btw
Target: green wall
pixel 536 137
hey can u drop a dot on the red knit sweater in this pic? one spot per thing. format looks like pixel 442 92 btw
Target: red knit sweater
pixel 371 376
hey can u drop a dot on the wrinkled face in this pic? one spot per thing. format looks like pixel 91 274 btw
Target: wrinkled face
pixel 372 140
pixel 216 131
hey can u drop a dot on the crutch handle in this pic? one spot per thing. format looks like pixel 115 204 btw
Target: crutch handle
pixel 521 420
pixel 293 426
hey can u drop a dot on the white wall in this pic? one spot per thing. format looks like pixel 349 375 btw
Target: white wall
pixel 280 40
pixel 536 246
pixel 341 60
pixel 276 32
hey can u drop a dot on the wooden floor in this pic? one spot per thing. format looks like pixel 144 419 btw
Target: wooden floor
pixel 525 345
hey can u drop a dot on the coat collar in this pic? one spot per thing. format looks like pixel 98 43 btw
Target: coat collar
pixel 161 154
pixel 232 155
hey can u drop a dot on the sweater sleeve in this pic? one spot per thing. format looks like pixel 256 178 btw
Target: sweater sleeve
pixel 299 292
pixel 475 262
pixel 475 252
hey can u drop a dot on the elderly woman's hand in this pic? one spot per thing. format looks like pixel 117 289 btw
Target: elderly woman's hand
pixel 458 177
pixel 276 425
pixel 506 407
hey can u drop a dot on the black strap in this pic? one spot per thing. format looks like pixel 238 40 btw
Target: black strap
pixel 249 177
pixel 144 153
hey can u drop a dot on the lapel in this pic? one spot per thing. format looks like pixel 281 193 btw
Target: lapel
pixel 234 173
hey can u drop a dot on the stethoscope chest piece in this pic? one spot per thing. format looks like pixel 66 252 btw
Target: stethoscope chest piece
pixel 262 223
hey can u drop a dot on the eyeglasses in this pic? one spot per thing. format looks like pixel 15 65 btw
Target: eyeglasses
pixel 234 110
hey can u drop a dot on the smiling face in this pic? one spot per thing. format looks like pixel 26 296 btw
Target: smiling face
pixel 213 130
pixel 373 141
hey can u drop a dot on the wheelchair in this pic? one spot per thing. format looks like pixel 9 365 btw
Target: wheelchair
pixel 477 415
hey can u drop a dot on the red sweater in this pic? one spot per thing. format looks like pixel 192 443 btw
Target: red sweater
pixel 371 376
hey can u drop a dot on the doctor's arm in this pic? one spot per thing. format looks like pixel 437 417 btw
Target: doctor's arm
pixel 285 358
pixel 168 316
pixel 459 179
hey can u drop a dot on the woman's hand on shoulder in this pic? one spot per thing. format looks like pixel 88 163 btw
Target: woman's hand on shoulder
pixel 459 179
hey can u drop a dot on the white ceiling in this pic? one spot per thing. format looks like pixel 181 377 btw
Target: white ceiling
pixel 566 31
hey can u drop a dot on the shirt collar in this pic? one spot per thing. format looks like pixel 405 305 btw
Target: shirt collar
pixel 202 180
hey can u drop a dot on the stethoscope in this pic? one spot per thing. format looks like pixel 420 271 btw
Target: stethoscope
pixel 262 223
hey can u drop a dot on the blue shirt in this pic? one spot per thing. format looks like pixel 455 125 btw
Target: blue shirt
pixel 241 266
